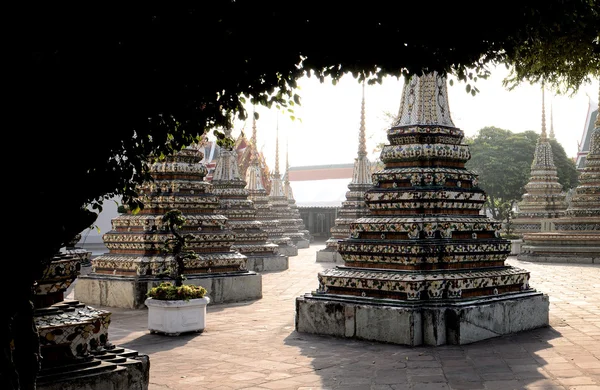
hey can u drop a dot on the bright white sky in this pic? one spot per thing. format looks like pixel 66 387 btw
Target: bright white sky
pixel 328 133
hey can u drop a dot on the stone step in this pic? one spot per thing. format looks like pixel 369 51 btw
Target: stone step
pixel 72 371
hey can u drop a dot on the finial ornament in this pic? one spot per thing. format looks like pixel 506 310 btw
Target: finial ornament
pixel 362 144
pixel 254 146
pixel 597 124
pixel 552 136
pixel 287 162
pixel 543 136
pixel 277 148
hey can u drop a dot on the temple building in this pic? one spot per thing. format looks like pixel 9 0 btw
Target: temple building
pixel 258 194
pixel 250 238
pixel 137 260
pixel 289 193
pixel 247 150
pixel 280 207
pixel 425 266
pixel 544 198
pixel 576 235
pixel 354 206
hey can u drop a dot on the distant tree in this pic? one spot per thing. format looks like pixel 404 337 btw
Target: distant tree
pixel 565 166
pixel 503 159
pixel 93 91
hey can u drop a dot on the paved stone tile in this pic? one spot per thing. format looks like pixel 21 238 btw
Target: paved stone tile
pixel 253 345
pixel 503 385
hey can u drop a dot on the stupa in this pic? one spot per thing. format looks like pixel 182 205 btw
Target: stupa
pixel 82 254
pixel 354 206
pixel 576 235
pixel 280 207
pixel 74 338
pixel 289 193
pixel 425 267
pixel 136 260
pixel 258 194
pixel 250 238
pixel 544 199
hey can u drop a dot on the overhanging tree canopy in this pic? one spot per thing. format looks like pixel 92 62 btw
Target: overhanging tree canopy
pixel 95 90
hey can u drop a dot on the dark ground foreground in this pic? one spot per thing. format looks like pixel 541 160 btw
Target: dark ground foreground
pixel 253 345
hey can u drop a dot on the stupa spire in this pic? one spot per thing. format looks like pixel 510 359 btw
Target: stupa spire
pixel 354 206
pixel 277 149
pixel 543 135
pixel 597 124
pixel 362 143
pixel 254 146
pixel 287 164
pixel 552 136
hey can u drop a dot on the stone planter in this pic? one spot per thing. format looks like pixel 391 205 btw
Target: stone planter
pixel 175 317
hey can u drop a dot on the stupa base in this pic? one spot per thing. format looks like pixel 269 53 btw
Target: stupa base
pixel 420 324
pixel 119 368
pixel 130 293
pixel 568 256
pixel 268 263
pixel 329 256
pixel 288 250
pixel 302 243
pixel 561 247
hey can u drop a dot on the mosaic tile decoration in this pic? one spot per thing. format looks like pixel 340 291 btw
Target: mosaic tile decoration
pixel 425 237
pixel 136 242
pixel 82 329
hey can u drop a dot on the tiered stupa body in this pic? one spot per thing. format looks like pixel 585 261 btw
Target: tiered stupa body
pixel 544 198
pixel 576 237
pixel 259 195
pixel 289 193
pixel 354 206
pixel 280 207
pixel 250 238
pixel 136 260
pixel 74 339
pixel 425 267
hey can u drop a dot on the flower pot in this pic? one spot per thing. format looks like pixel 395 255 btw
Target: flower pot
pixel 175 317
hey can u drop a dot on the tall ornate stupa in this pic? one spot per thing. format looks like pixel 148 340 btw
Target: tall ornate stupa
pixel 250 238
pixel 136 260
pixel 258 194
pixel 354 206
pixel 289 193
pixel 425 267
pixel 544 198
pixel 576 235
pixel 280 207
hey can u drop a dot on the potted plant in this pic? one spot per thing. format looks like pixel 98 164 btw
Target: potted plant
pixel 176 308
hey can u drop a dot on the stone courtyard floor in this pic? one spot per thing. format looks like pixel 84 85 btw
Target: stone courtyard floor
pixel 253 345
